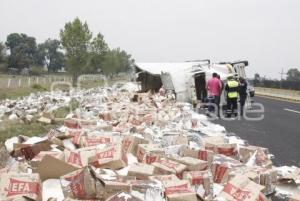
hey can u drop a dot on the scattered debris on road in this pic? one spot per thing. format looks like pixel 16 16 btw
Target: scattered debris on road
pixel 122 145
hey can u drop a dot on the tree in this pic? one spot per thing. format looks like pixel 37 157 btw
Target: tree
pixel 75 38
pixel 98 50
pixel 3 57
pixel 293 74
pixel 49 55
pixel 23 50
pixel 256 76
pixel 117 61
pixel 2 52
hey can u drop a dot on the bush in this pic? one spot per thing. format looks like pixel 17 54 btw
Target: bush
pixel 3 67
pixel 37 70
pixel 38 87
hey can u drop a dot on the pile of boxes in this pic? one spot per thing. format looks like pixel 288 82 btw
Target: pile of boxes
pixel 121 145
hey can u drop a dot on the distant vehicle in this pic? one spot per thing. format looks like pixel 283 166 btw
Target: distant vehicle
pixel 188 79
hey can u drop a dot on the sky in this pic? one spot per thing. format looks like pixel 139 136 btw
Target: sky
pixel 264 32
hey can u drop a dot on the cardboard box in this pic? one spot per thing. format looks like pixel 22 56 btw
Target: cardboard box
pixel 179 191
pixel 202 154
pixel 141 170
pixel 16 186
pixel 242 188
pixel 38 158
pixel 229 150
pixel 130 143
pixel 149 153
pixel 53 168
pixel 268 178
pixel 80 184
pixel 79 157
pixel 161 178
pixel 192 164
pixel 112 157
pixel 108 188
pixel 221 168
pixel 196 178
pixel 245 152
pixel 166 166
pixel 29 151
pixel 93 140
pixel 76 135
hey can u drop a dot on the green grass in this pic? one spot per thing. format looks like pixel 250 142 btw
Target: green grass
pixel 19 92
pixel 35 128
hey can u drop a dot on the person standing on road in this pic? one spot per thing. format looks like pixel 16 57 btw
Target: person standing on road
pixel 243 94
pixel 232 87
pixel 214 91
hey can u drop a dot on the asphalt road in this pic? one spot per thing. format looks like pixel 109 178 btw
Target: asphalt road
pixel 279 130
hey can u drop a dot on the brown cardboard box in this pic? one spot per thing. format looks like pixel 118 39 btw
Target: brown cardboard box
pixel 192 164
pixel 79 157
pixel 80 184
pixel 166 166
pixel 108 188
pixel 76 134
pixel 179 191
pixel 37 159
pixel 141 170
pixel 130 143
pixel 53 168
pixel 202 154
pixel 242 188
pixel 29 151
pixel 170 177
pixel 72 123
pixel 93 140
pixel 229 150
pixel 199 178
pixel 245 152
pixel 16 186
pixel 221 168
pixel 112 157
pixel 268 178
pixel 149 153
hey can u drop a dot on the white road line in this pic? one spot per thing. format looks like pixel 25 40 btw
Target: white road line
pixel 286 109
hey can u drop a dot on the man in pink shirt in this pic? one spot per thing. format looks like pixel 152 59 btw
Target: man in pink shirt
pixel 214 88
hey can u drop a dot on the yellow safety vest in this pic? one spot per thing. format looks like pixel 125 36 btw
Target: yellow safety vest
pixel 233 89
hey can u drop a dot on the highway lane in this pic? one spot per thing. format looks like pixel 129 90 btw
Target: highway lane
pixel 279 130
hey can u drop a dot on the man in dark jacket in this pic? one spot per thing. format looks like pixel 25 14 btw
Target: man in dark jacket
pixel 243 94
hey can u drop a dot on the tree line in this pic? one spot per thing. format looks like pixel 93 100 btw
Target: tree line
pixel 292 80
pixel 77 50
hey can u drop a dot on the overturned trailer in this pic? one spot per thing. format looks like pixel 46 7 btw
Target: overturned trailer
pixel 187 79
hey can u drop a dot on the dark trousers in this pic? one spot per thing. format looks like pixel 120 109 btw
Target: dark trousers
pixel 231 107
pixel 216 101
pixel 242 102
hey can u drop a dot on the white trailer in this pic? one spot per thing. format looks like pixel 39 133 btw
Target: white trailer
pixel 188 79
